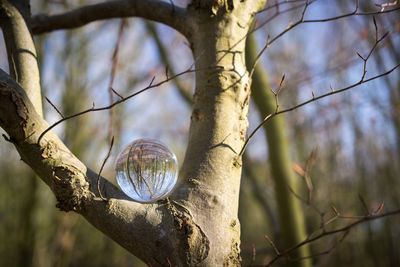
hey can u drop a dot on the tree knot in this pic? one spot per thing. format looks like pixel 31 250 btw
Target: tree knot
pixel 70 188
pixel 190 237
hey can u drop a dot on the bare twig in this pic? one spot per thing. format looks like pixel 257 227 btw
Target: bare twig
pixel 278 4
pixel 324 252
pixel 276 93
pixel 305 174
pixel 364 204
pixel 302 20
pixel 107 107
pixel 116 93
pixel 102 166
pixel 114 65
pixel 54 106
pixel 277 252
pixel 345 230
pixel 354 13
pixel 280 12
pixel 268 42
pixel 270 116
pixel 114 59
pixel 166 60
pixel 332 91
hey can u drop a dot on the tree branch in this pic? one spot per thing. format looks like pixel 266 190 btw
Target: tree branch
pixel 21 50
pixel 345 229
pixel 117 102
pixel 313 99
pixel 362 80
pixel 165 59
pixel 146 230
pixel 156 10
pixel 302 20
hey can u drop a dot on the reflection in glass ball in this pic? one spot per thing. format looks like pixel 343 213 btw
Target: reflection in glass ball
pixel 146 170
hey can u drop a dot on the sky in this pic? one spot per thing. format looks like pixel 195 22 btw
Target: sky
pixel 160 113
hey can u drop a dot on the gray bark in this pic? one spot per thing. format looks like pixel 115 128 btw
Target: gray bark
pixel 198 226
pixel 21 50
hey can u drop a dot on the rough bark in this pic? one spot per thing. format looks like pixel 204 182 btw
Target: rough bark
pixel 74 187
pixel 199 225
pixel 211 170
pixel 291 218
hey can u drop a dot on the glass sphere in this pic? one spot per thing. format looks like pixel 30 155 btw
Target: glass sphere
pixel 146 170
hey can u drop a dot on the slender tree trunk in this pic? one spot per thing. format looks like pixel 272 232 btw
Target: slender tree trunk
pixel 26 242
pixel 291 218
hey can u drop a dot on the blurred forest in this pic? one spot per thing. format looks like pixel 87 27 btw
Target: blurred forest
pixel 340 155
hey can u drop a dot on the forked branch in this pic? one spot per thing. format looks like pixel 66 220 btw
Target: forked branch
pixel 76 187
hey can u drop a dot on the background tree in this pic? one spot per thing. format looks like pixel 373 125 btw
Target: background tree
pixel 205 203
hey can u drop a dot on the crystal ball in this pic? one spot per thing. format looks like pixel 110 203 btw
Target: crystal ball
pixel 146 170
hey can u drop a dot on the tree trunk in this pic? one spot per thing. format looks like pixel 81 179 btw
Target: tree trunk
pixel 211 170
pixel 198 225
pixel 291 218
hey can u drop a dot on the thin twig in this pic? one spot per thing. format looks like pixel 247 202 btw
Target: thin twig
pixel 332 92
pixel 302 20
pixel 94 109
pixel 278 4
pixel 322 253
pixel 344 229
pixel 54 106
pixel 364 204
pixel 277 252
pixel 276 93
pixel 190 70
pixel 101 168
pixel 114 65
pixel 270 116
pixel 355 12
pixel 165 58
